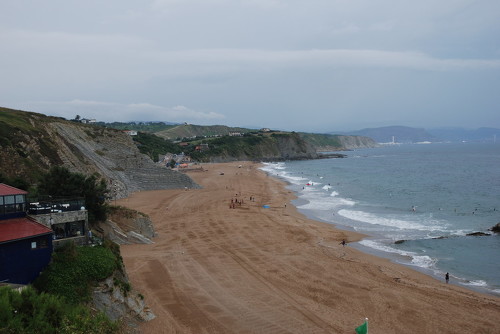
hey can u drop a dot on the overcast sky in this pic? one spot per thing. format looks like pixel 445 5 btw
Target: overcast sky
pixel 315 65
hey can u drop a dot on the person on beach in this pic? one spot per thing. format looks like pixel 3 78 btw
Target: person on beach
pixel 447 277
pixel 343 243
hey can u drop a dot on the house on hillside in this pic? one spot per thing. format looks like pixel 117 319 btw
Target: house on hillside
pixel 178 158
pixel 67 218
pixel 88 121
pixel 131 132
pixel 25 244
pixel 201 148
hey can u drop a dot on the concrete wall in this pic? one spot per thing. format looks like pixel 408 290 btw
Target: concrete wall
pixel 50 219
pixel 62 217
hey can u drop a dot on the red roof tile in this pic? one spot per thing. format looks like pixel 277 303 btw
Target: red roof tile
pixel 8 190
pixel 20 228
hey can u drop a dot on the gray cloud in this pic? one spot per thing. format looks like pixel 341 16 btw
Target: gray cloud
pixel 107 111
pixel 323 64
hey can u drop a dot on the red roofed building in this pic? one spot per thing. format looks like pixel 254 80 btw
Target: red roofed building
pixel 12 202
pixel 25 244
pixel 21 228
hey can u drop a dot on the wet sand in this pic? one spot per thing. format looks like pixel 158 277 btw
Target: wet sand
pixel 215 269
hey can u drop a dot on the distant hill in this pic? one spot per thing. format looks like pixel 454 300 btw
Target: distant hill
pixel 328 142
pixel 404 134
pixel 191 131
pixel 150 127
pixel 401 134
pixel 31 143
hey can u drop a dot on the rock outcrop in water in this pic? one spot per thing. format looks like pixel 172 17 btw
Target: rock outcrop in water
pixel 477 234
pixel 496 228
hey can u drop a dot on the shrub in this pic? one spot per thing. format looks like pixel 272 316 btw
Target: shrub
pixel 74 270
pixel 31 312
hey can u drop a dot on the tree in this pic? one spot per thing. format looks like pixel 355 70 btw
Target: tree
pixel 30 312
pixel 171 163
pixel 60 182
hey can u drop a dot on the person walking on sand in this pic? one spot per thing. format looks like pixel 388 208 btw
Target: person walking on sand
pixel 447 277
pixel 343 243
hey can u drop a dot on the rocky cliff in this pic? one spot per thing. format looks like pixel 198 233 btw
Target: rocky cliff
pixel 356 142
pixel 31 143
pixel 113 154
pixel 268 147
pixel 125 226
pixel 329 142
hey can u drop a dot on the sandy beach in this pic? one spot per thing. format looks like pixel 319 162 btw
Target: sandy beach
pixel 249 269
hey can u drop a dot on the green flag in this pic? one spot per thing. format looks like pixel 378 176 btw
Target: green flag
pixel 363 329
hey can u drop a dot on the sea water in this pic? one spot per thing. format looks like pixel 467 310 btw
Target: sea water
pixel 416 202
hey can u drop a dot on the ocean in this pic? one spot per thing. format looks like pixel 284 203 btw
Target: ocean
pixel 425 197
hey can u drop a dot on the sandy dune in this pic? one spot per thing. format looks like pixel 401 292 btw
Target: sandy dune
pixel 214 269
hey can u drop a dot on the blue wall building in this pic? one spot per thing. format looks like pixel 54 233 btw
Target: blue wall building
pixel 25 244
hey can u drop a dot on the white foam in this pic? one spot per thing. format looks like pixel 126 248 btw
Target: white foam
pixel 422 261
pixel 279 170
pixel 475 283
pixel 389 221
pixel 318 201
pixel 334 193
pixel 270 166
pixel 312 183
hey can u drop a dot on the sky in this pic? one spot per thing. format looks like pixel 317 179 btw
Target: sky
pixel 315 65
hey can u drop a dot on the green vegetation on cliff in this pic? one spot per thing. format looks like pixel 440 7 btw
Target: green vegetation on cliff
pixel 227 147
pixel 59 303
pixel 184 131
pixel 153 145
pixel 74 270
pixel 268 146
pixel 149 127
pixel 18 158
pixel 31 312
pixel 322 140
pixel 59 182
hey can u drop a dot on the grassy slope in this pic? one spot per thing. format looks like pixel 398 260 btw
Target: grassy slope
pixel 321 140
pixel 149 127
pixel 189 130
pixel 18 128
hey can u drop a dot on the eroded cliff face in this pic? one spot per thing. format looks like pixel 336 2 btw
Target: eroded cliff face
pixel 40 142
pixel 114 155
pixel 125 226
pixel 287 146
pixel 354 142
pixel 350 143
